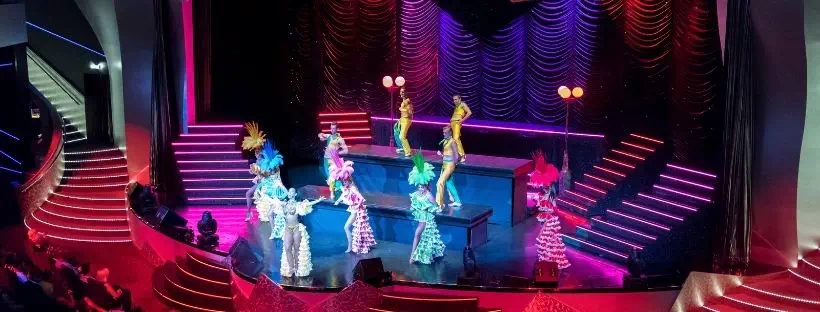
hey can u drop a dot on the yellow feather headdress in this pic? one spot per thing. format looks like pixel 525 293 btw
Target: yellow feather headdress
pixel 255 138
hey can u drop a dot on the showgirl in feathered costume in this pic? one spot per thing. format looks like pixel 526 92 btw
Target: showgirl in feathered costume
pixel 270 186
pixel 357 228
pixel 427 244
pixel 545 174
pixel 402 126
pixel 253 142
pixel 335 143
pixel 549 245
pixel 296 257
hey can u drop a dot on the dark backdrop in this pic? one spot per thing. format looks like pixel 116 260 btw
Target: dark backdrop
pixel 64 18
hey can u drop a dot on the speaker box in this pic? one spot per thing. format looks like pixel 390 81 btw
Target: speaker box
pixel 371 271
pixel 244 260
pixel 166 219
pixel 545 274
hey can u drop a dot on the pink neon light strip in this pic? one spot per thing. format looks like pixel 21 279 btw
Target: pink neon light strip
pixel 687 182
pixel 77 229
pixel 590 187
pixel 611 238
pixel 628 154
pixel 95 160
pixel 206 152
pixel 207 264
pixel 667 202
pixel 571 204
pixel 646 138
pixel 816 267
pixel 692 171
pixel 209 134
pixel 638 146
pixel 626 229
pixel 211 161
pixel 581 196
pixel 342 114
pixel 96 177
pixel 217 189
pixel 640 220
pixel 215 170
pixel 347 130
pixel 620 163
pixel 25 222
pixel 497 128
pixel 92 151
pixel 200 278
pixel 215 198
pixel 215 180
pixel 358 137
pixel 596 247
pixel 201 143
pixel 94 186
pixel 215 126
pixel 610 171
pixel 652 211
pixel 597 178
pixel 344 122
pixel 682 193
pixel 816 283
pixel 96 168
pixel 84 219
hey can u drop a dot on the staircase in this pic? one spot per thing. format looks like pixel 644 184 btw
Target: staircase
pixel 194 284
pixel 653 222
pixel 211 165
pixel 591 193
pixel 793 290
pixel 89 203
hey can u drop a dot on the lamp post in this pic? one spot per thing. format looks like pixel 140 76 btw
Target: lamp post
pixel 568 96
pixel 388 83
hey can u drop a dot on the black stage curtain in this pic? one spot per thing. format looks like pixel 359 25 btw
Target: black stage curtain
pixel 163 119
pixel 202 57
pixel 734 228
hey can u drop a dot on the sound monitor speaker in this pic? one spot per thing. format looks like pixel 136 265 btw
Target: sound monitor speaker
pixel 371 271
pixel 546 274
pixel 244 260
pixel 165 218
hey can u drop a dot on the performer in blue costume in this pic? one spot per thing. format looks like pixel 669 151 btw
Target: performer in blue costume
pixel 335 142
pixel 270 186
pixel 427 244
pixel 253 142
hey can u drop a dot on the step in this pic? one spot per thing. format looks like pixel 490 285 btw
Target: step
pixel 56 225
pixel 627 156
pixel 214 164
pixel 217 201
pixel 216 192
pixel 573 206
pixel 611 174
pixel 215 173
pixel 216 128
pixel 101 179
pixel 207 268
pixel 751 302
pixel 184 291
pixel 166 296
pixel 217 182
pixel 91 152
pixel 84 219
pixel 664 204
pixel 690 173
pixel 213 136
pixel 637 222
pixel 89 200
pixel 806 276
pixel 688 186
pixel 84 209
pixel 607 240
pixel 71 236
pixel 209 155
pixel 599 182
pixel 681 196
pixel 594 248
pixel 651 214
pixel 97 170
pixel 637 148
pixel 200 146
pixel 622 166
pixel 96 162
pixel 785 291
pixel 719 307
pixel 578 198
pixel 90 188
pixel 646 139
pixel 201 283
pixel 622 230
pixel 589 190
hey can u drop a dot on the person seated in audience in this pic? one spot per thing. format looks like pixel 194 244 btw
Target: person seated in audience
pixel 45 282
pixel 85 273
pixel 103 296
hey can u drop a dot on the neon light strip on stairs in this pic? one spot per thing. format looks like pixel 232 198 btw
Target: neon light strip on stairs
pixel 597 247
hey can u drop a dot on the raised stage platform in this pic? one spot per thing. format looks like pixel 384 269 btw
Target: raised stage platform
pixel 391 219
pixel 496 182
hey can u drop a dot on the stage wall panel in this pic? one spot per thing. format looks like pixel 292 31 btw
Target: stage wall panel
pixel 808 185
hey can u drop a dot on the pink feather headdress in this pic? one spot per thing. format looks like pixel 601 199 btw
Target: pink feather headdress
pixel 339 168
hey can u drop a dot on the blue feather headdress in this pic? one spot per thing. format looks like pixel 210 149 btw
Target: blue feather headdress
pixel 270 159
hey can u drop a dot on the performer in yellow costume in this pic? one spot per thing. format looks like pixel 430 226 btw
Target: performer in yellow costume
pixel 403 125
pixel 448 153
pixel 461 113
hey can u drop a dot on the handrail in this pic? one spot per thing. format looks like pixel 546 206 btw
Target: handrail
pixel 59 80
pixel 36 188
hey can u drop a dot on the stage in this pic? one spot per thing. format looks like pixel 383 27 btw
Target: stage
pixel 508 251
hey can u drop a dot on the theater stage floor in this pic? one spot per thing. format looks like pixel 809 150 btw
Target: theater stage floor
pixel 509 251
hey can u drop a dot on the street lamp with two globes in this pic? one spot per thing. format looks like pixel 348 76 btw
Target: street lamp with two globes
pixel 568 96
pixel 391 86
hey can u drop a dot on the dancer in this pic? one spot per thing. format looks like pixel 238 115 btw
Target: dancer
pixel 549 245
pixel 448 153
pixel 357 227
pixel 253 142
pixel 296 250
pixel 461 112
pixel 270 185
pixel 427 244
pixel 335 142
pixel 403 125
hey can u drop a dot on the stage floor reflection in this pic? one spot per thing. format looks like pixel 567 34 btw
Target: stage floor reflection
pixel 509 251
